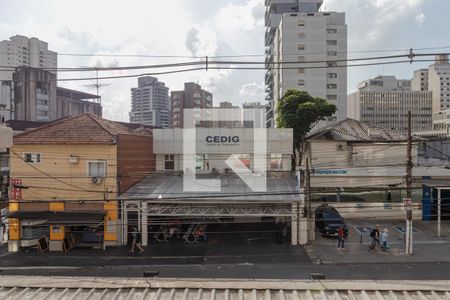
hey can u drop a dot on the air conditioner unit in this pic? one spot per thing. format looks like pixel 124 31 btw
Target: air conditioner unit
pixel 340 147
pixel 96 180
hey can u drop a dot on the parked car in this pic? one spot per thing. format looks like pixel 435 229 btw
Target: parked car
pixel 328 221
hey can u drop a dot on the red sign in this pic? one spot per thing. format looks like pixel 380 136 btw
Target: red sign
pixel 16 193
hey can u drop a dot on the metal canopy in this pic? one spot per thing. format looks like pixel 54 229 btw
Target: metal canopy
pixel 211 210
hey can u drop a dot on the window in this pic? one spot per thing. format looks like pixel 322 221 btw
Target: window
pixel 301 23
pixel 332 53
pixel 331 64
pixel 301 82
pixel 97 169
pixel 301 35
pixel 301 58
pixel 32 158
pixel 331 97
pixel 331 42
pixel 331 75
pixel 169 162
pixel 301 71
pixel 301 47
pixel 331 30
pixel 331 86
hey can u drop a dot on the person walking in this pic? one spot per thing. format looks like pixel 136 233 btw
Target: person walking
pixel 384 238
pixel 375 235
pixel 137 239
pixel 341 237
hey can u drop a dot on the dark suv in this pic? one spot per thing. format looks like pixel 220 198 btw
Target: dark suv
pixel 328 221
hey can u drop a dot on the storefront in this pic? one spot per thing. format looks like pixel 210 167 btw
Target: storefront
pixel 218 161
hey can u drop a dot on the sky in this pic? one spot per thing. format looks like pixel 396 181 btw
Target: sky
pixel 209 27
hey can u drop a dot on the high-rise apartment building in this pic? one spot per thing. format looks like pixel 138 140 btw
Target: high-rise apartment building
pixel 21 51
pixel 150 103
pixel 298 34
pixel 419 81
pixel 385 101
pixel 437 80
pixel 193 96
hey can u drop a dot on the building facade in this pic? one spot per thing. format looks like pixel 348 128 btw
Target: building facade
pixel 304 35
pixel 254 111
pixel 169 195
pixel 193 96
pixel 385 101
pixel 435 79
pixel 72 103
pixel 150 103
pixel 72 171
pixel 16 52
pixel 34 95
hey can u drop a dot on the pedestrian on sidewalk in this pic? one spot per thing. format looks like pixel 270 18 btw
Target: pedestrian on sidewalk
pixel 375 235
pixel 137 239
pixel 341 237
pixel 384 238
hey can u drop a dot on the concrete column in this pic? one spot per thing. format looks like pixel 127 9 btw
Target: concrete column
pixel 144 227
pixel 294 224
pixel 311 229
pixel 303 231
pixel 124 224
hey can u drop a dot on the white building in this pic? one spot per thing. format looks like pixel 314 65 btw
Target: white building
pixel 437 80
pixel 150 103
pixel 254 111
pixel 302 36
pixel 384 101
pixel 235 201
pixel 16 52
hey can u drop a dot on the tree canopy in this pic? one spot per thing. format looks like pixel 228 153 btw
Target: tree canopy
pixel 300 111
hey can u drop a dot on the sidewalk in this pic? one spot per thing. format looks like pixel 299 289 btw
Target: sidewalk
pixel 426 246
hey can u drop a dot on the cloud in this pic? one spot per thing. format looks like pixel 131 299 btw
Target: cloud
pixel 420 18
pixel 246 16
pixel 201 41
pixel 371 20
pixel 252 91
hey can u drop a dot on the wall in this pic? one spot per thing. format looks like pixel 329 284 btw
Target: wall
pixel 135 159
pixel 55 178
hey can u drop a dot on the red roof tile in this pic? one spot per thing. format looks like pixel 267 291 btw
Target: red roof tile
pixel 80 129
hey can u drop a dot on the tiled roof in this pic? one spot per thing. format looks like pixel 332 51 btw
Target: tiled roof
pixel 33 287
pixel 353 130
pixel 80 129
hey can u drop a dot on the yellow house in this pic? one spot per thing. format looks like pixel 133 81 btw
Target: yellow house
pixel 65 179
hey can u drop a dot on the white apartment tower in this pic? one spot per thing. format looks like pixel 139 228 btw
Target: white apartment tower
pixel 21 51
pixel 150 103
pixel 437 80
pixel 311 46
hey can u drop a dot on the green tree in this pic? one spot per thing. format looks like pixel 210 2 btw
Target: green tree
pixel 301 112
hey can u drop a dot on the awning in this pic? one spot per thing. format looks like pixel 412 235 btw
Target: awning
pixel 76 218
pixel 30 215
pixel 61 218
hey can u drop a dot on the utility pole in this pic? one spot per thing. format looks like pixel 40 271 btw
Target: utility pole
pixel 409 165
pixel 308 190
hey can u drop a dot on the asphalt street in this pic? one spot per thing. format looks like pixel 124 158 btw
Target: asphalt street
pixel 402 271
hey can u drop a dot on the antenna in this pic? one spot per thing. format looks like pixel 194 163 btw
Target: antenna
pixel 97 85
